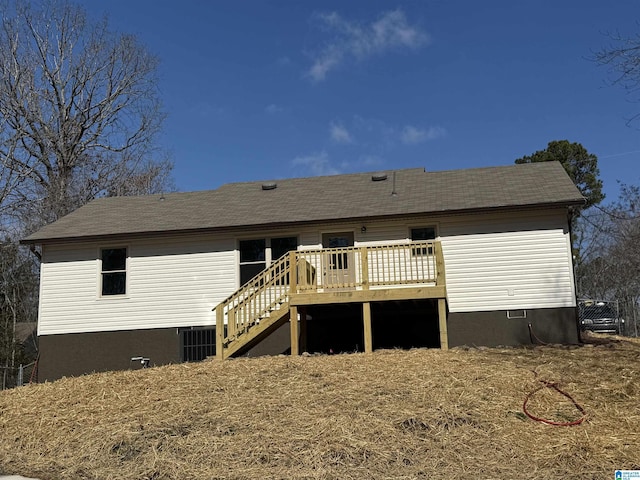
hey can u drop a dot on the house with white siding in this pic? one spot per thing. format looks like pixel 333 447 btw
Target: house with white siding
pixel 355 262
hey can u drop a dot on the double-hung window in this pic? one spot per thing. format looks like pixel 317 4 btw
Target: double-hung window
pixel 113 271
pixel 257 254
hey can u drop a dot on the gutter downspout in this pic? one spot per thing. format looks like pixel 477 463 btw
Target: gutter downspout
pixel 570 215
pixel 33 250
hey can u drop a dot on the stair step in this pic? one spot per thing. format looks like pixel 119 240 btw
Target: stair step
pixel 254 330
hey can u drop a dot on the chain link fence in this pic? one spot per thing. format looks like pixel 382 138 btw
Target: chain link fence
pixel 629 311
pixel 601 316
pixel 18 376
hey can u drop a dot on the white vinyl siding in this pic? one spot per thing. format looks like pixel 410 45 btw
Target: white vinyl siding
pixel 499 261
pixel 377 233
pixel 493 261
pixel 382 233
pixel 309 239
pixel 171 283
pixel 507 262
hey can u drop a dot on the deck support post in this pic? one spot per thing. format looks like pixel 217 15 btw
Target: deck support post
pixel 219 332
pixel 368 335
pixel 303 328
pixel 293 321
pixel 364 262
pixel 440 276
pixel 442 321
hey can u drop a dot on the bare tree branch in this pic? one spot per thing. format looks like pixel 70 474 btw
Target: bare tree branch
pixel 622 58
pixel 80 107
pixel 79 116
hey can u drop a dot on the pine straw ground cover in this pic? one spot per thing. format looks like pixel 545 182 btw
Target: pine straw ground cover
pixel 394 414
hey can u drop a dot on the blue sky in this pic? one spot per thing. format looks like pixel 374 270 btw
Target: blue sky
pixel 259 90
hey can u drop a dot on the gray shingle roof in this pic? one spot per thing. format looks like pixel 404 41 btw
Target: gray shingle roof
pixel 317 199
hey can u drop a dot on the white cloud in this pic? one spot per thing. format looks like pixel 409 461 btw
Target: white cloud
pixel 273 109
pixel 316 163
pixel 339 133
pixel 411 135
pixel 329 60
pixel 351 39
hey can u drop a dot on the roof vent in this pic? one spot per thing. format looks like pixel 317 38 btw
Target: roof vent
pixel 378 177
pixel 269 186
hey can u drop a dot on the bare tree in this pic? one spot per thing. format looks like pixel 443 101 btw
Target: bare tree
pixel 80 111
pixel 622 57
pixel 18 303
pixel 79 116
pixel 609 266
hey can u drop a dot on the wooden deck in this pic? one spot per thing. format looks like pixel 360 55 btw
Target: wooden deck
pixel 303 278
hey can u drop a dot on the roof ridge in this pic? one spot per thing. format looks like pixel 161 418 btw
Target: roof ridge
pixel 314 177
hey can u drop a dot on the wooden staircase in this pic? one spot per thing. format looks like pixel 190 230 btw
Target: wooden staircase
pixel 254 311
pixel 258 332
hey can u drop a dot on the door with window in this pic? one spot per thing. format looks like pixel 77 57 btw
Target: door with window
pixel 339 267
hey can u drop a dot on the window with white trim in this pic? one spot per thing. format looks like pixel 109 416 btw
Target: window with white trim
pixel 253 258
pixel 113 271
pixel 256 254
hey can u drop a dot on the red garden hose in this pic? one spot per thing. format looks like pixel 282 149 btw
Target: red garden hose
pixel 553 385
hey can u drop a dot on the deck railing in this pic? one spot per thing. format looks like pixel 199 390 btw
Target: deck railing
pixel 370 266
pixel 326 270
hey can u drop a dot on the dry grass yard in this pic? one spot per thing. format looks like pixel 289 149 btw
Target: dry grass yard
pixel 419 414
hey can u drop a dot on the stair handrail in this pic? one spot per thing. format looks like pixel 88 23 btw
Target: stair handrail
pixel 264 292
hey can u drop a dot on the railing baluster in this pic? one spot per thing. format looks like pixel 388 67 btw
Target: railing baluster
pixel 231 323
pixel 397 263
pixel 385 262
pixel 364 267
